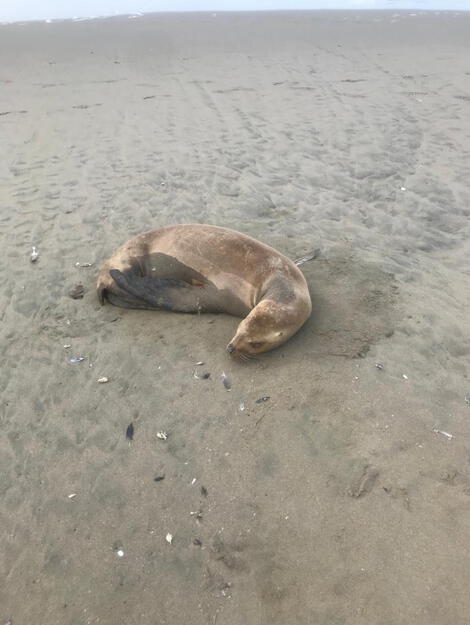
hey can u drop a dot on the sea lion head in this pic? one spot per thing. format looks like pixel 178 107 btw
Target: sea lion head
pixel 267 326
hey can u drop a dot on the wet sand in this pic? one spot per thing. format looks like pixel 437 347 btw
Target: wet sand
pixel 334 502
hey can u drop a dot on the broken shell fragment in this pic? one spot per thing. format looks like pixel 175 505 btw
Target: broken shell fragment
pixel 443 433
pixel 263 399
pixel 202 376
pixel 226 381
pixel 34 255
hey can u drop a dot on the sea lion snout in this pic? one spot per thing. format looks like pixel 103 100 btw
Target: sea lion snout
pixel 237 348
pixel 236 353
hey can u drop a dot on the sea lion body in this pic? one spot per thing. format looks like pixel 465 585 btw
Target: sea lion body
pixel 202 268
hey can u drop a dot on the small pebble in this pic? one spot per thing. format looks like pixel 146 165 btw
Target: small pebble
pixel 169 538
pixel 77 292
pixel 102 380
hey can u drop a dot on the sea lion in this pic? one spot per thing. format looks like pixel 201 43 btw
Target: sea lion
pixel 200 268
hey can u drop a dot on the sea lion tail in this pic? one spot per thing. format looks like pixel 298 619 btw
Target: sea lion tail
pixel 310 256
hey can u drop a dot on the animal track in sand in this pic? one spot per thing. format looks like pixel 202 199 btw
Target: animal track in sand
pixel 85 106
pixel 12 112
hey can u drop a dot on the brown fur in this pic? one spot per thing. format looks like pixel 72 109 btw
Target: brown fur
pixel 201 268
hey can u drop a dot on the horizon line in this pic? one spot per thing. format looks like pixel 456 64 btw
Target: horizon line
pixel 138 14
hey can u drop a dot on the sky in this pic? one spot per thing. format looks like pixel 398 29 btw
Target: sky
pixel 19 10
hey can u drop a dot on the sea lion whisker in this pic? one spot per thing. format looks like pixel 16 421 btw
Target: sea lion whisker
pixel 245 356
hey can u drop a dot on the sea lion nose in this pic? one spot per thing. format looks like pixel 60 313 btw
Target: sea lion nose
pixel 230 348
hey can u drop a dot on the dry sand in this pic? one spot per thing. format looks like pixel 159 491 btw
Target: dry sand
pixel 332 503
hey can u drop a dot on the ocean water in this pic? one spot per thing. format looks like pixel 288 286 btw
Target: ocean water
pixel 14 11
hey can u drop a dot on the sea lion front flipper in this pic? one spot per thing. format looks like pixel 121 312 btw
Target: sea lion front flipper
pixel 167 294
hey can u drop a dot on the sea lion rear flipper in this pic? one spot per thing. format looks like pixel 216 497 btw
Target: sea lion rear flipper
pixel 168 294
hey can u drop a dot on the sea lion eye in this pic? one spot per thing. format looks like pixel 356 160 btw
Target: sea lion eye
pixel 256 345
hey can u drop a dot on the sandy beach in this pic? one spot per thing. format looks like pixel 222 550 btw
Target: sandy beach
pixel 343 498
